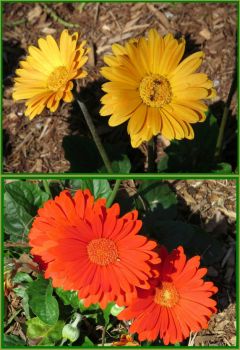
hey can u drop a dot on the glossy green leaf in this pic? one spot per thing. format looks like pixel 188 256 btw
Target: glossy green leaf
pixel 42 302
pixel 68 297
pixel 47 334
pixel 22 277
pixel 21 202
pixel 99 188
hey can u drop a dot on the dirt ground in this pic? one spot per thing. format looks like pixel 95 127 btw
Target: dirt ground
pixel 210 204
pixel 36 146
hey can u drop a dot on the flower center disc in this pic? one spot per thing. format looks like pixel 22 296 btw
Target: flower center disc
pixel 155 90
pixel 167 295
pixel 102 251
pixel 57 78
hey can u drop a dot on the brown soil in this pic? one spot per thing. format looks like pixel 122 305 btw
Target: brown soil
pixel 36 146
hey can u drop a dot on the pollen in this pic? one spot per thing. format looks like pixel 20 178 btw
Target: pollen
pixel 155 90
pixel 102 251
pixel 167 295
pixel 58 78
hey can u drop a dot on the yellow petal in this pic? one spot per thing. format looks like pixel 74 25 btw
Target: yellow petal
pixel 194 93
pixel 182 112
pixel 187 66
pixel 154 120
pixel 137 119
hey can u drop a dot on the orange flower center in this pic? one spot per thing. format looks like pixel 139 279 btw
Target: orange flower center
pixel 155 90
pixel 167 295
pixel 58 78
pixel 102 251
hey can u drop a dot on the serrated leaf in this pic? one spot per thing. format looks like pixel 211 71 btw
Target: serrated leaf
pixel 68 297
pixel 42 302
pixel 21 202
pixel 48 334
pixel 159 198
pixel 121 166
pixel 99 188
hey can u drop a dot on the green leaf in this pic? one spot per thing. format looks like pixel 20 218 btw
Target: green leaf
pixel 107 312
pixel 115 310
pixel 69 297
pixel 121 166
pixel 21 202
pixel 159 199
pixel 22 293
pixel 223 168
pixel 41 301
pixel 99 188
pixel 13 340
pixel 195 155
pixel 48 334
pixel 87 342
pixel 194 240
pixel 22 277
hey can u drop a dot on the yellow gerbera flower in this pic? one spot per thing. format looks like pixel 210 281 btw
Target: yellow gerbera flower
pixel 153 90
pixel 45 77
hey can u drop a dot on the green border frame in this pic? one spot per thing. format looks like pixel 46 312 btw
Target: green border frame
pixel 196 176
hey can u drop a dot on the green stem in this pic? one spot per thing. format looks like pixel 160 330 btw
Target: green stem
pixel 221 133
pixel 114 192
pixel 151 156
pixel 95 136
pixel 46 187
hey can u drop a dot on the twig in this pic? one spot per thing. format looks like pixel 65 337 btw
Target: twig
pixel 58 19
pixel 104 334
pixel 16 244
pixel 15 23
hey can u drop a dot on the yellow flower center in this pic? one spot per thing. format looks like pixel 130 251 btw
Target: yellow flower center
pixel 102 251
pixel 58 78
pixel 155 90
pixel 167 295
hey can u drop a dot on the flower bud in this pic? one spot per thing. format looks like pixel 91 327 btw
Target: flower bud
pixel 70 332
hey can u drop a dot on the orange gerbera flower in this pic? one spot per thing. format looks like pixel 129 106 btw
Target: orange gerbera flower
pixel 178 302
pixel 89 248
